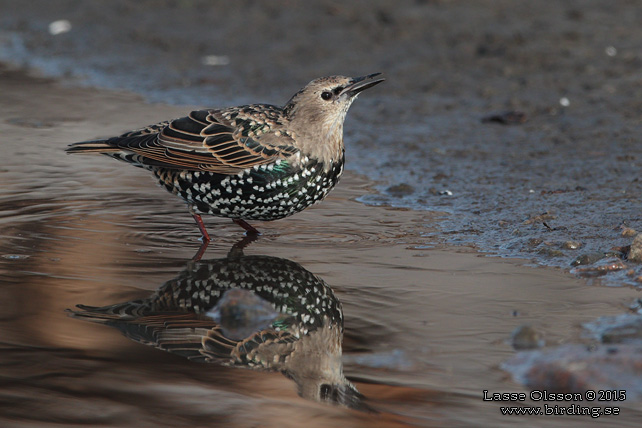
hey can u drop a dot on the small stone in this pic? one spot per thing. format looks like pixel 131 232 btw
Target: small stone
pixel 526 337
pixel 550 252
pixel 534 242
pixel 587 259
pixel 627 232
pixel 571 245
pixel 635 254
pixel 400 190
pixel 599 269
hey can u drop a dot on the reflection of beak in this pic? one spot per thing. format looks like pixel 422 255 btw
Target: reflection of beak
pixel 358 84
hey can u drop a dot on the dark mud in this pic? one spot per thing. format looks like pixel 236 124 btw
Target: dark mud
pixel 565 165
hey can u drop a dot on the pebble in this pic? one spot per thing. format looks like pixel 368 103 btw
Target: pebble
pixel 627 232
pixel 587 259
pixel 400 190
pixel 526 337
pixel 635 254
pixel 571 245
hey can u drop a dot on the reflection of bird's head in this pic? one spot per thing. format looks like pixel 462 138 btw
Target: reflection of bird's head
pixel 316 367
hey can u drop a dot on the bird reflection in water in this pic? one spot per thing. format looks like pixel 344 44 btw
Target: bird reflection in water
pixel 258 312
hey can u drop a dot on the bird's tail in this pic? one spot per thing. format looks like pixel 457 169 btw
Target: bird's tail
pixel 106 314
pixel 92 147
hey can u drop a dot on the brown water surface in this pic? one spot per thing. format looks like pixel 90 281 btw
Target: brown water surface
pixel 426 329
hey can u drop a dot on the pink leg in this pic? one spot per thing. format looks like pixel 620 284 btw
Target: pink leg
pixel 246 226
pixel 201 227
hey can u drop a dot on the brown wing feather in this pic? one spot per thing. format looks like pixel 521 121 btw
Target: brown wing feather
pixel 221 141
pixel 186 334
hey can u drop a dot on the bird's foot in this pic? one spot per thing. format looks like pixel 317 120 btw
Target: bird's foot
pixel 248 227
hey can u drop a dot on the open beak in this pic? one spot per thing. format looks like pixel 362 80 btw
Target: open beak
pixel 358 84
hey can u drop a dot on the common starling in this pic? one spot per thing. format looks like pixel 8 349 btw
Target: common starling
pixel 258 312
pixel 252 162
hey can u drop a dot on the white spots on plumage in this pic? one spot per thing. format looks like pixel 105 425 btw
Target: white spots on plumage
pixel 251 194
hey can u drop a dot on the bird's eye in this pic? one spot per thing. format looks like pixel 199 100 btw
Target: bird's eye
pixel 325 95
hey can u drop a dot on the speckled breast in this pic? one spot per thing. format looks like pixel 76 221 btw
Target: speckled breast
pixel 265 192
pixel 289 287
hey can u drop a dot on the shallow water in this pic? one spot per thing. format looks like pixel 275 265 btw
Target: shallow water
pixel 427 327
pixel 426 330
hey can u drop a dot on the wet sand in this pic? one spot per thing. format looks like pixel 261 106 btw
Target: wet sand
pixel 426 329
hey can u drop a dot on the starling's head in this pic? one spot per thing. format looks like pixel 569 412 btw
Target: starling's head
pixel 328 98
pixel 319 109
